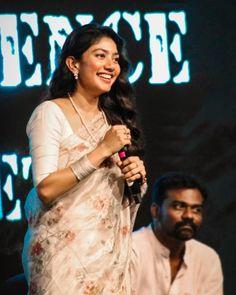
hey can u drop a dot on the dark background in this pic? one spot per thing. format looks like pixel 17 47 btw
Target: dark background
pixel 189 127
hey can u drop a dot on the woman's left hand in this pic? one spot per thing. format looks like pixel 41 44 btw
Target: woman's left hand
pixel 133 168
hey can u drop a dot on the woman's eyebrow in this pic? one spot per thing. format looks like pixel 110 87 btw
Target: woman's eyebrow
pixel 105 50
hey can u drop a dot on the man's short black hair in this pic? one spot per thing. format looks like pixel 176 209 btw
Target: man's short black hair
pixel 174 181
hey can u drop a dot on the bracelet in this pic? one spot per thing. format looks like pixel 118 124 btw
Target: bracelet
pixel 82 168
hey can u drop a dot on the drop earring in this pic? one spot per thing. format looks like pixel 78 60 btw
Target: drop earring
pixel 76 75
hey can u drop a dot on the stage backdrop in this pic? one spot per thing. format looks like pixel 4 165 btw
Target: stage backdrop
pixel 183 58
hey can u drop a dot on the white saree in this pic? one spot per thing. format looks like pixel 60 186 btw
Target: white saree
pixel 81 244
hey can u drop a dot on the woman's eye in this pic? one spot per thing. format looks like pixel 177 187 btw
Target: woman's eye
pixel 116 60
pixel 100 55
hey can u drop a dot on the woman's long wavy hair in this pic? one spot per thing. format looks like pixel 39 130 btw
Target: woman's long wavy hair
pixel 119 103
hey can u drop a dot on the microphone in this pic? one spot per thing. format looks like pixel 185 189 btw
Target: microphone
pixel 134 186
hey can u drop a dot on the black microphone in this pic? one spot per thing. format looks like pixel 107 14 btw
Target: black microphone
pixel 134 186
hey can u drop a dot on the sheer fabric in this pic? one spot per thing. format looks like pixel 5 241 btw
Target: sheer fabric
pixel 79 245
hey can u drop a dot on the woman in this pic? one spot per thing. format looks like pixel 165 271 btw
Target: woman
pixel 80 218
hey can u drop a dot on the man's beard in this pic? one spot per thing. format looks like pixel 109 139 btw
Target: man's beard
pixel 185 230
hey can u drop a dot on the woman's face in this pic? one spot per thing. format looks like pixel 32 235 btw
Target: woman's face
pixel 99 67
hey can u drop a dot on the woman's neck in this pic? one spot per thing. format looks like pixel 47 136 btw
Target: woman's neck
pixel 86 103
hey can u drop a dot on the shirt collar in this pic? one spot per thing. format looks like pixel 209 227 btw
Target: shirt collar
pixel 160 249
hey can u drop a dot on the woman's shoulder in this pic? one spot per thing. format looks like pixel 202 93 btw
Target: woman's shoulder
pixel 61 101
pixel 48 111
pixel 53 106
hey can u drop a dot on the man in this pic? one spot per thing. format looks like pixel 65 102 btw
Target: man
pixel 166 258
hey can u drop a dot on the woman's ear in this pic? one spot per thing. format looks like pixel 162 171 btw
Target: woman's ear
pixel 72 64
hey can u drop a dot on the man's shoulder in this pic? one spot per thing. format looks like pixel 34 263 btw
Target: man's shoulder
pixel 142 232
pixel 142 236
pixel 201 249
pixel 204 260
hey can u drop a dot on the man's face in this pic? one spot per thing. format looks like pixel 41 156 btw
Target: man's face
pixel 181 213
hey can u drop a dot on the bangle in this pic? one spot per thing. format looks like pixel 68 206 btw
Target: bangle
pixel 82 168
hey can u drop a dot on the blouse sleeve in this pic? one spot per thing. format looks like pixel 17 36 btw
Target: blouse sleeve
pixel 44 131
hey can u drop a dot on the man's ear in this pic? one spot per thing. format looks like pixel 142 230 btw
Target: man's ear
pixel 72 64
pixel 154 209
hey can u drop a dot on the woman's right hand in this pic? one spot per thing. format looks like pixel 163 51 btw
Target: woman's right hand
pixel 115 139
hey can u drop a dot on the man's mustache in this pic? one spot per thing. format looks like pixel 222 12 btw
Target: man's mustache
pixel 186 222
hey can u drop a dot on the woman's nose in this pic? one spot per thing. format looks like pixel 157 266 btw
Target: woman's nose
pixel 109 64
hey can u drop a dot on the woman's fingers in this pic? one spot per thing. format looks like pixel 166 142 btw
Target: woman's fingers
pixel 117 137
pixel 133 168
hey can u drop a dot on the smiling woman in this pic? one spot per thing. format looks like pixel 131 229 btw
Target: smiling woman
pixel 97 69
pixel 80 214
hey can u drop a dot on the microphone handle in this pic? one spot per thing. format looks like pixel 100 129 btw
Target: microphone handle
pixel 134 186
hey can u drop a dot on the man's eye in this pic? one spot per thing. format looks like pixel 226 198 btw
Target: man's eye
pixel 197 210
pixel 178 206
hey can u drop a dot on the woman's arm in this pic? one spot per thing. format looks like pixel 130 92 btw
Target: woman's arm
pixel 45 131
pixel 60 181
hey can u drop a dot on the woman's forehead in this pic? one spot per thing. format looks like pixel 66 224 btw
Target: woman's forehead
pixel 105 43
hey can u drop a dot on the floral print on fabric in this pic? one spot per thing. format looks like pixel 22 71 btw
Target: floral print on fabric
pixel 80 245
